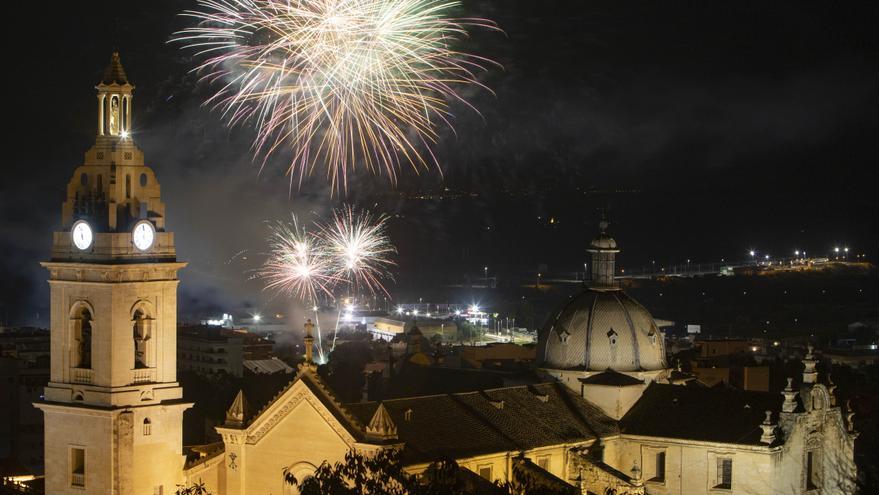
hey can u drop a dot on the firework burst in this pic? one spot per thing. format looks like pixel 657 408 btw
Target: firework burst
pixel 297 264
pixel 361 250
pixel 341 82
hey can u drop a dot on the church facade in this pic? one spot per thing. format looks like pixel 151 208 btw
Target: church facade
pixel 612 417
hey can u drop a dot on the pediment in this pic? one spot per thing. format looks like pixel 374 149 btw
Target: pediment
pixel 287 403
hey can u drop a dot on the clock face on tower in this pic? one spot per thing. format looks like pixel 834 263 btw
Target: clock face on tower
pixel 143 235
pixel 82 235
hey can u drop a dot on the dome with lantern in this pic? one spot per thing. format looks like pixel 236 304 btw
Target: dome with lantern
pixel 602 328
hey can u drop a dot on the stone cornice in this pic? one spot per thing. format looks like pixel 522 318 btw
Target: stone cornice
pixel 762 449
pixel 99 273
pixel 90 410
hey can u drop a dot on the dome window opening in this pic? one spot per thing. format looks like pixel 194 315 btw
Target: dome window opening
pixel 563 337
pixel 612 336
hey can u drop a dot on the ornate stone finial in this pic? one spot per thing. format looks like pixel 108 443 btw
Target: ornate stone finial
pixel 309 341
pixel 768 427
pixel 810 374
pixel 636 472
pixel 831 388
pixel 790 397
pixel 850 416
pixel 381 426
pixel 237 412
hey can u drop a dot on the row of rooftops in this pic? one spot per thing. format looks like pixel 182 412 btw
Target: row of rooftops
pixel 531 416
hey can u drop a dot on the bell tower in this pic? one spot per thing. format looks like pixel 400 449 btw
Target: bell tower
pixel 113 408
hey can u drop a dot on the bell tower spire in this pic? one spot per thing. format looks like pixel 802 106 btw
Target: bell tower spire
pixel 114 101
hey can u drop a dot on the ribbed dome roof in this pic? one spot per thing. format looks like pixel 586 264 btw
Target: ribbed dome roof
pixel 599 330
pixel 603 241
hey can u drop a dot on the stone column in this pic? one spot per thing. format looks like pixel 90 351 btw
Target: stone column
pixel 101 114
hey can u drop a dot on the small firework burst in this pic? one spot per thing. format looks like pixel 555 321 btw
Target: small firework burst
pixel 360 247
pixel 297 264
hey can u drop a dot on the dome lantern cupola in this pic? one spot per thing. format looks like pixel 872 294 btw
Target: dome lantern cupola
pixel 604 250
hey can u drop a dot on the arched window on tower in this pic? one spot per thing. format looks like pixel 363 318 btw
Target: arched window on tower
pixel 141 338
pixel 82 339
pixel 128 186
pixel 147 427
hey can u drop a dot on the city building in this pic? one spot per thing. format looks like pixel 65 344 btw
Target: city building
pixel 213 349
pixel 612 416
pixel 390 328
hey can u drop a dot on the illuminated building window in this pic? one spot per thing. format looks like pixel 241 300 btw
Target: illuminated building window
pixel 543 462
pixel 659 467
pixel 485 472
pixel 77 467
pixel 724 473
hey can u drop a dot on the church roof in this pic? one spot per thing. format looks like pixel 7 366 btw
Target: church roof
pixel 498 420
pixel 327 397
pixel 708 414
pixel 611 378
pixel 541 478
pixel 599 330
pixel 114 73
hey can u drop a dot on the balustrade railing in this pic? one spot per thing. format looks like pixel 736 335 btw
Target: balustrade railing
pixel 83 375
pixel 143 375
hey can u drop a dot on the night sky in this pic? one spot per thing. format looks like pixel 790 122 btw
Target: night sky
pixel 704 128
